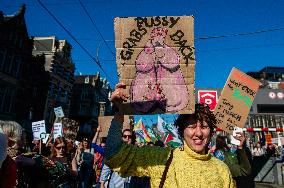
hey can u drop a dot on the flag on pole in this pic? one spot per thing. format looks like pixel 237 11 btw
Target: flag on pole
pixel 172 137
pixel 161 125
pixel 151 134
pixel 139 136
pixel 141 130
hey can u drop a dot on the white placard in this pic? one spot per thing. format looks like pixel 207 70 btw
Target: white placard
pixel 57 130
pixel 59 112
pixel 38 127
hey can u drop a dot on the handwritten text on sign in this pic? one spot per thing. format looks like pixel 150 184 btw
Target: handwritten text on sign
pixel 57 130
pixel 235 101
pixel 38 128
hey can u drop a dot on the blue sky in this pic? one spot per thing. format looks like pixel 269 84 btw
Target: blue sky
pixel 214 57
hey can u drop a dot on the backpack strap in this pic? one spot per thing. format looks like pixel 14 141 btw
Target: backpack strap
pixel 110 176
pixel 164 176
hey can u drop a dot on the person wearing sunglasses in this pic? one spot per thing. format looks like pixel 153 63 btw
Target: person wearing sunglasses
pixel 63 160
pixel 113 179
pixel 190 166
pixel 127 136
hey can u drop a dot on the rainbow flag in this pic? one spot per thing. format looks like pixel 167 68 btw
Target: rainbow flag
pixel 141 131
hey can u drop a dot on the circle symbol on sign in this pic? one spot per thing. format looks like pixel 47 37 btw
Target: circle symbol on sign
pixel 208 101
pixel 280 95
pixel 272 95
pixel 42 135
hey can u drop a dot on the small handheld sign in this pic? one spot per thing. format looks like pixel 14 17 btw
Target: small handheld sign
pixel 59 112
pixel 235 101
pixel 57 130
pixel 38 128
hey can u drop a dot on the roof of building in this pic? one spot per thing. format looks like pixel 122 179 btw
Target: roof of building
pixel 270 69
pixel 5 18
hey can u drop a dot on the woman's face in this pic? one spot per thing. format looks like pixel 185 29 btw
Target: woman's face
pixel 60 150
pixel 197 136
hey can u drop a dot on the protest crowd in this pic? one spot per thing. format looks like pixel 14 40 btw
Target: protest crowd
pixel 188 152
pixel 126 159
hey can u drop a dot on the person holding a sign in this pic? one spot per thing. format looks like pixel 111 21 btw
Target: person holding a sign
pixel 191 166
pixel 237 160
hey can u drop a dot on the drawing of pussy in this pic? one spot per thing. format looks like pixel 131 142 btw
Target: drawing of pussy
pixel 159 82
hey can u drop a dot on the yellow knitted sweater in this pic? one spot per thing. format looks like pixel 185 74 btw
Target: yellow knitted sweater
pixel 188 169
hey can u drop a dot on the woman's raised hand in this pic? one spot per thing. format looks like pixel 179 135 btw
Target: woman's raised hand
pixel 118 96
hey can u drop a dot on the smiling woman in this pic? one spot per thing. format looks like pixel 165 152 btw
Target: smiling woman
pixel 167 167
pixel 196 129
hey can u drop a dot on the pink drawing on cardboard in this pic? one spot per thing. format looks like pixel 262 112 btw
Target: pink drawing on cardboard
pixel 158 82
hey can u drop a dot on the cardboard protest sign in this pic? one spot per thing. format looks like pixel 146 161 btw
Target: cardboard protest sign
pixel 105 121
pixel 155 59
pixel 208 97
pixel 57 130
pixel 38 128
pixel 59 112
pixel 235 101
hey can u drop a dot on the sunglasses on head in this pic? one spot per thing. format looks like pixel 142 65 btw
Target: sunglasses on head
pixel 126 136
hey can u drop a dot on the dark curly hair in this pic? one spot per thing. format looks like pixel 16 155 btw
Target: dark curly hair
pixel 202 113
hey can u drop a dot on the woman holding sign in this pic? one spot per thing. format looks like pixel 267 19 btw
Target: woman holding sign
pixel 191 166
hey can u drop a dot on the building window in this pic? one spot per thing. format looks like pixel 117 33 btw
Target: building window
pixel 21 43
pixel 15 66
pixel 11 36
pixel 2 97
pixel 2 59
pixel 8 101
pixel 270 108
pixel 7 63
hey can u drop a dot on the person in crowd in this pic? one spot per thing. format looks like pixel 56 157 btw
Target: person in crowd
pixel 98 161
pixel 86 159
pixel 78 157
pixel 251 146
pixel 270 151
pixel 14 133
pixel 113 179
pixel 59 154
pixel 56 171
pixel 36 144
pixel 191 166
pixel 236 160
pixel 259 159
pixel 8 170
pixel 258 150
pixel 71 149
pixel 98 155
